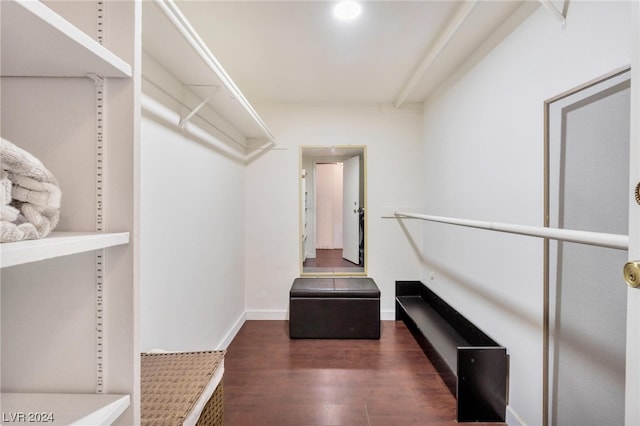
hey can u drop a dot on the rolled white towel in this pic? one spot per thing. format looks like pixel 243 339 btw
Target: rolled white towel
pixel 29 190
pixel 32 208
pixel 5 188
pixel 9 214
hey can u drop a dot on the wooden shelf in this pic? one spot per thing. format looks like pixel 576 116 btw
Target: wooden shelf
pixel 474 366
pixel 37 42
pixel 58 244
pixel 441 335
pixel 62 409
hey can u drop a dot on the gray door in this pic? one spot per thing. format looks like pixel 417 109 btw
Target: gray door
pixel 588 191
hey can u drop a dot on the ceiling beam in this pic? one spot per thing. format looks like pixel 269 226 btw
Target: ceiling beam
pixel 443 38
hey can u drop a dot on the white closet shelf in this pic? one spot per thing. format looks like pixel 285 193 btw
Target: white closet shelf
pixel 62 409
pixel 58 244
pixel 37 42
pixel 171 41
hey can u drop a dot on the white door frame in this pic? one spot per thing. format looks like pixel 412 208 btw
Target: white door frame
pixel 632 388
pixel 605 86
pixel 632 374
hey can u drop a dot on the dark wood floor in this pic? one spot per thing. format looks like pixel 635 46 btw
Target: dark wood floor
pixel 328 258
pixel 272 380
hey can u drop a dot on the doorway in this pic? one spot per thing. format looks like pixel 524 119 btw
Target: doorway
pixel 588 178
pixel 333 213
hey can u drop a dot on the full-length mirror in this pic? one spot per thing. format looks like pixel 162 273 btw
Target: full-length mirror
pixel 333 218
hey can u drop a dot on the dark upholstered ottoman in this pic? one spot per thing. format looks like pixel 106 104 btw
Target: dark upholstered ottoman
pixel 334 308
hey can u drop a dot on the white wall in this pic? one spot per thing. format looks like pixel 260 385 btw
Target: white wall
pixel 484 160
pixel 192 231
pixel 393 140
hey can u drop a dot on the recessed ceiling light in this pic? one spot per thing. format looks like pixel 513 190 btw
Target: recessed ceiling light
pixel 347 10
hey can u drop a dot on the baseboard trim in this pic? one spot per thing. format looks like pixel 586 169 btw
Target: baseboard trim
pixel 228 338
pixel 513 419
pixel 275 315
pixel 278 315
pixel 388 315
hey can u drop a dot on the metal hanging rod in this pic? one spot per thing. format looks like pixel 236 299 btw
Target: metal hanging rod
pixel 169 116
pixel 180 102
pixel 614 241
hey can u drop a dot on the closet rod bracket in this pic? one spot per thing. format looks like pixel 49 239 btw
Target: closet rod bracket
pixel 193 112
pixel 555 12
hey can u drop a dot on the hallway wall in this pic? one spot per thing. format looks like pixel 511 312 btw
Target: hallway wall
pixel 328 205
pixel 393 140
pixel 483 159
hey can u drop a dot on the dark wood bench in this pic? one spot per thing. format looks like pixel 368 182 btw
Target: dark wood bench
pixel 472 364
pixel 334 308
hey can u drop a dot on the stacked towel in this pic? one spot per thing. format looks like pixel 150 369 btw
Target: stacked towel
pixel 29 196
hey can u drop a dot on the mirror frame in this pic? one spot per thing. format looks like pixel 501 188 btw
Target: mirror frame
pixel 335 148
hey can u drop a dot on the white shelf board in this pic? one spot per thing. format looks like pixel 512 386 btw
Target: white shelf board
pixel 163 41
pixel 58 244
pixel 37 42
pixel 62 409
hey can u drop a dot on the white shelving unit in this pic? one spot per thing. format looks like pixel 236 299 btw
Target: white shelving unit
pixel 69 343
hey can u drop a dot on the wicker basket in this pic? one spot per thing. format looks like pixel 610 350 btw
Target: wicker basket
pixel 172 383
pixel 213 412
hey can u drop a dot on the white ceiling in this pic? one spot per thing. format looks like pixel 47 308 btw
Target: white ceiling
pixel 295 51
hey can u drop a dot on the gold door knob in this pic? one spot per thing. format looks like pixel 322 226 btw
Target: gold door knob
pixel 632 273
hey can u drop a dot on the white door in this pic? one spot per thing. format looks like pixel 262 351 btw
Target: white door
pixel 351 210
pixel 632 390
